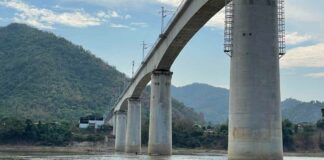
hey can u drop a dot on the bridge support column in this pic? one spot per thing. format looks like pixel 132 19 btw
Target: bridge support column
pixel 133 133
pixel 120 140
pixel 160 128
pixel 254 113
pixel 114 124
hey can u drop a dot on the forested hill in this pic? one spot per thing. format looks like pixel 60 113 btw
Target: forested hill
pixel 45 77
pixel 209 100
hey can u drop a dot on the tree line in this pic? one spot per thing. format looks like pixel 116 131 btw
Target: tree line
pixel 25 131
pixel 185 134
pixel 296 137
pixel 303 136
pixel 16 131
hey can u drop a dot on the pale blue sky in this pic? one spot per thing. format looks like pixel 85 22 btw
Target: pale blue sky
pixel 114 29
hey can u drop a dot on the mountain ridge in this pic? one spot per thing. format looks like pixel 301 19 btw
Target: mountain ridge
pixel 204 98
pixel 213 103
pixel 46 77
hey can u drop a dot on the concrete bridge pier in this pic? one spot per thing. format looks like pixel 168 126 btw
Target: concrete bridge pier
pixel 160 127
pixel 114 124
pixel 133 132
pixel 254 113
pixel 120 142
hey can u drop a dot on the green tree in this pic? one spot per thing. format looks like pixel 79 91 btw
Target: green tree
pixel 287 134
pixel 320 124
pixel 11 130
pixel 30 133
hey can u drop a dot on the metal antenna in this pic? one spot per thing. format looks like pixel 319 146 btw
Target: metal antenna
pixel 164 13
pixel 144 47
pixel 133 65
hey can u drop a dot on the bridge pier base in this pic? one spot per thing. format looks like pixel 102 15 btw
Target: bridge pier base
pixel 120 142
pixel 254 114
pixel 160 127
pixel 133 132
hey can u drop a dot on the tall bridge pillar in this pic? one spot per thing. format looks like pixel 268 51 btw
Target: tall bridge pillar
pixel 120 142
pixel 254 113
pixel 114 124
pixel 133 132
pixel 160 128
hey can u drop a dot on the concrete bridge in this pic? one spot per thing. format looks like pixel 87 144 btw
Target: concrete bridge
pixel 254 115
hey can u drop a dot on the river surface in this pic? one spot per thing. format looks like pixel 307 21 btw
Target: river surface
pixel 45 156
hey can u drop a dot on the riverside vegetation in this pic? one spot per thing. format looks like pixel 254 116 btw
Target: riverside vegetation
pixel 185 134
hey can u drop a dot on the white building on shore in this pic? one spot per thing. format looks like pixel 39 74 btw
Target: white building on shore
pixel 91 121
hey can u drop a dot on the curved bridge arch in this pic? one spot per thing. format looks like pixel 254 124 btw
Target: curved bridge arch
pixel 255 127
pixel 191 16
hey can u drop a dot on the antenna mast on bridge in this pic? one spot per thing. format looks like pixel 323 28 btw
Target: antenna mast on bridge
pixel 164 13
pixel 144 47
pixel 133 65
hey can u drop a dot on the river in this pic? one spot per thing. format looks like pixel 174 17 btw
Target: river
pixel 49 156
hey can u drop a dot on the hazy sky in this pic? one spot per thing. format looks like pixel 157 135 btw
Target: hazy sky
pixel 114 30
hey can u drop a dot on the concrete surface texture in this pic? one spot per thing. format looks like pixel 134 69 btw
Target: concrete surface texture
pixel 120 140
pixel 254 114
pixel 133 132
pixel 160 127
pixel 113 124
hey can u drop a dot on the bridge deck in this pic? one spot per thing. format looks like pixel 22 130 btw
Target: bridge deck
pixel 189 18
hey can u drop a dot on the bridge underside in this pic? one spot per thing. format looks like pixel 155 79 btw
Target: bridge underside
pixel 192 16
pixel 254 116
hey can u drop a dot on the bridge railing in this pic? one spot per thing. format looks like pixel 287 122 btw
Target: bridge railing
pixel 165 30
pixel 180 7
pixel 151 51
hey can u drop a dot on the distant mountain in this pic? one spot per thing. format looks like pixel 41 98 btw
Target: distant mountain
pixel 289 103
pixel 298 111
pixel 209 100
pixel 213 103
pixel 46 77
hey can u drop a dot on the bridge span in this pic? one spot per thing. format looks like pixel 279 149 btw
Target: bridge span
pixel 254 116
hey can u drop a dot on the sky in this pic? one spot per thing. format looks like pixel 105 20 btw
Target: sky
pixel 114 30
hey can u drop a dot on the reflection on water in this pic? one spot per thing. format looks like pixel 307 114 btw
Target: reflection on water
pixel 44 156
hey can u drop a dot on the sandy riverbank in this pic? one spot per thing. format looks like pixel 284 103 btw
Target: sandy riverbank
pixel 104 149
pixel 73 149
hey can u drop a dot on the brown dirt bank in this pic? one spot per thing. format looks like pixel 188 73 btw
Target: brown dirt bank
pixel 212 152
pixel 80 148
pixel 89 148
